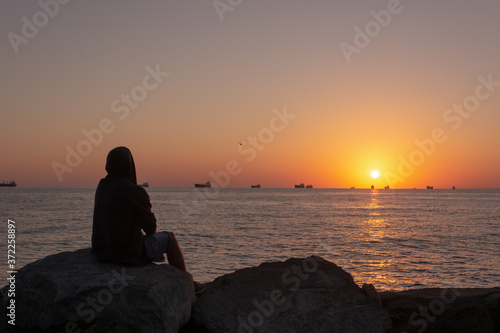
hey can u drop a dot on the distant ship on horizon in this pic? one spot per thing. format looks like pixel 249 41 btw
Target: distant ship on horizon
pixel 300 186
pixel 206 185
pixel 309 186
pixel 8 184
pixel 145 184
pixel 255 186
pixel 430 187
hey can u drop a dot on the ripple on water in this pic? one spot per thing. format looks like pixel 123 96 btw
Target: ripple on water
pixel 397 240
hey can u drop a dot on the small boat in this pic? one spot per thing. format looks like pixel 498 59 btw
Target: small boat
pixel 8 184
pixel 255 186
pixel 309 186
pixel 372 187
pixel 300 186
pixel 387 187
pixel 207 184
pixel 430 187
pixel 352 187
pixel 145 184
pixel 453 188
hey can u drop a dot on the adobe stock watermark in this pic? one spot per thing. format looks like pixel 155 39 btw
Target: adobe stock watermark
pixel 121 107
pixel 436 307
pixel 425 314
pixel 223 6
pixel 429 312
pixel 293 279
pixel 30 27
pixel 249 148
pixel 454 116
pixel 372 29
pixel 89 309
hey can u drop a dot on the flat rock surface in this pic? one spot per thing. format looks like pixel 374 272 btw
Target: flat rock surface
pixel 73 291
pixel 298 295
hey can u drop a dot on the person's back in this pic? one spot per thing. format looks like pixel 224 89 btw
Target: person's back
pixel 121 210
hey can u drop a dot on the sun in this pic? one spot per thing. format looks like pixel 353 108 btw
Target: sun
pixel 375 174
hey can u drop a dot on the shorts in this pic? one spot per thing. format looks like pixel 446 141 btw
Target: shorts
pixel 157 244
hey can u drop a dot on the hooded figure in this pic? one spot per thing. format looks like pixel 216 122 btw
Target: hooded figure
pixel 121 163
pixel 121 210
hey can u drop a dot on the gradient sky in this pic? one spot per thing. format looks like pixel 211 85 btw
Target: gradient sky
pixel 227 76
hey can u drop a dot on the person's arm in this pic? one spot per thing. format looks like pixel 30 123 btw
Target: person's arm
pixel 146 218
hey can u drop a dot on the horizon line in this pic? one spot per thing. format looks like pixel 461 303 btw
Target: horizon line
pixel 278 188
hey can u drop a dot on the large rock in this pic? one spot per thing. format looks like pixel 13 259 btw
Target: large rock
pixel 74 292
pixel 298 295
pixel 442 310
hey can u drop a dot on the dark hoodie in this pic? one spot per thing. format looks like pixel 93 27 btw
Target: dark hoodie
pixel 121 210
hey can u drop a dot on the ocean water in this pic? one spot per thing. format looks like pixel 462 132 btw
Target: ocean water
pixel 395 239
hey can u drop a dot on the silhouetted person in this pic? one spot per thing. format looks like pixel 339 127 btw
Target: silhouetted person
pixel 122 210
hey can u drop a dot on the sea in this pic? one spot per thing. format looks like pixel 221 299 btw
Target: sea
pixel 393 238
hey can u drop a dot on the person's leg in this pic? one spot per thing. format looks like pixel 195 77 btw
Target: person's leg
pixel 176 259
pixel 174 254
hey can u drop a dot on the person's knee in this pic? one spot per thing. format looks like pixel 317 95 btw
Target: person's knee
pixel 173 241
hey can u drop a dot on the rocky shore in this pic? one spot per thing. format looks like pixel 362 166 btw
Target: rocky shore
pixel 73 292
pixel 436 310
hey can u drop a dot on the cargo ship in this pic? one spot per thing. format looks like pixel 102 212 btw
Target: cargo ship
pixel 8 184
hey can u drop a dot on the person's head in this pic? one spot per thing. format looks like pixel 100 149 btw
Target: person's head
pixel 120 163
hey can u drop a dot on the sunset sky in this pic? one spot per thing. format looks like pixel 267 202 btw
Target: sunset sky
pixel 284 92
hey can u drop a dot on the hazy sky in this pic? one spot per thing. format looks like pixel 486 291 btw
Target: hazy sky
pixel 244 92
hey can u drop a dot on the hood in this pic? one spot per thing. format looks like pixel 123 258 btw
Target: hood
pixel 120 163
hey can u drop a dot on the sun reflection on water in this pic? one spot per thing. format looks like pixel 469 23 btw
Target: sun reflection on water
pixel 394 239
pixel 373 232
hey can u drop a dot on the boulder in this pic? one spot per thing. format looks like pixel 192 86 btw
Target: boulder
pixel 297 295
pixel 442 310
pixel 74 292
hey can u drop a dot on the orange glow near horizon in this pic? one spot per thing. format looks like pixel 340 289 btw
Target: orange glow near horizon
pixel 183 169
pixel 225 82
